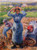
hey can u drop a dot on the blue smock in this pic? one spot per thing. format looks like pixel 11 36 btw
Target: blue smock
pixel 17 27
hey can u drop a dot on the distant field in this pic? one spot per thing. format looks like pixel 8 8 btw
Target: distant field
pixel 29 14
pixel 4 15
pixel 5 2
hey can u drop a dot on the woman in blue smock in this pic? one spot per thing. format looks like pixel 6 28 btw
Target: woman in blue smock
pixel 17 28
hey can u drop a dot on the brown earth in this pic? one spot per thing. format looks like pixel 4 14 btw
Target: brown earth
pixel 25 22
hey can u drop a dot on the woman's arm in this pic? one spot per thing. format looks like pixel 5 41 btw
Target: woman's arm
pixel 9 13
pixel 23 13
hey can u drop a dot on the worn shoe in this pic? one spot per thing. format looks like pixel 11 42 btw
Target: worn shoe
pixel 21 46
pixel 13 47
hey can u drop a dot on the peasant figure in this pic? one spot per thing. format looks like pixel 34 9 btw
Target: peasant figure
pixel 17 28
pixel 7 27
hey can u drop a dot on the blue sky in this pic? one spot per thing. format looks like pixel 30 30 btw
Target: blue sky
pixel 19 0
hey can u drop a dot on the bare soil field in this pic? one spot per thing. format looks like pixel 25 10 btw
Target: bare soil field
pixel 25 22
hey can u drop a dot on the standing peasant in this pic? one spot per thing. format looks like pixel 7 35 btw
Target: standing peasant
pixel 17 27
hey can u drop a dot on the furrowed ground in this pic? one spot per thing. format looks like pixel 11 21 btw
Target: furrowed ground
pixel 25 21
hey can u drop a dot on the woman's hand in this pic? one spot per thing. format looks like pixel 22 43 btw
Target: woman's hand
pixel 20 8
pixel 12 9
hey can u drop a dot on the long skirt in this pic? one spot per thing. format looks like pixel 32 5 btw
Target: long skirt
pixel 17 33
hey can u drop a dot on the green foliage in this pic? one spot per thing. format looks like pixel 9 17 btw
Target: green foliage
pixel 29 8
pixel 5 8
pixel 31 14
pixel 1 20
pixel 2 13
pixel 8 8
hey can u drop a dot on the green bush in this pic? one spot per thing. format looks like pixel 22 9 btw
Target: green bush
pixel 29 8
pixel 1 20
pixel 2 13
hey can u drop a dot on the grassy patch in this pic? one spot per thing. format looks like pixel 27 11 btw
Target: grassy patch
pixel 1 20
pixel 2 13
pixel 31 14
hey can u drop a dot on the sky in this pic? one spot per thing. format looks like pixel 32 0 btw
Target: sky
pixel 19 0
